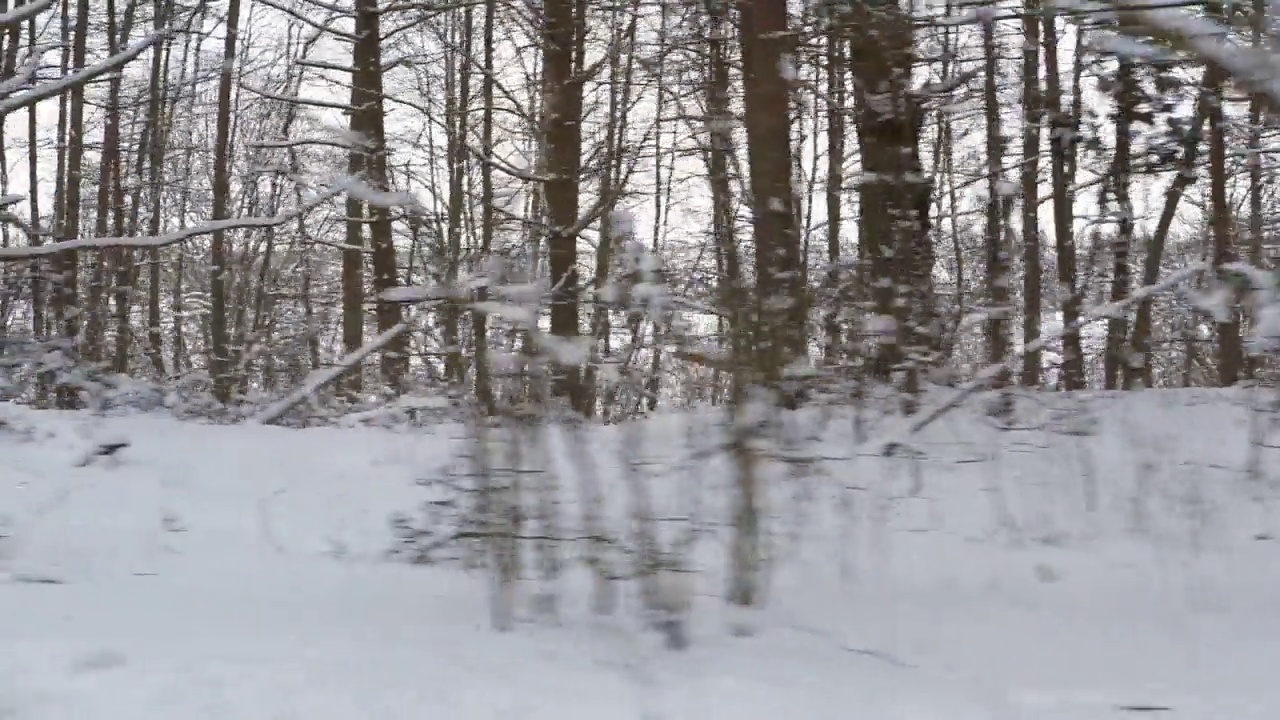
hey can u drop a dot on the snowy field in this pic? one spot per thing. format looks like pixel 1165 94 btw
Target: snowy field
pixel 1110 564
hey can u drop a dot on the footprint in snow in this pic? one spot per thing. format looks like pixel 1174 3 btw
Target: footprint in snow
pixel 99 661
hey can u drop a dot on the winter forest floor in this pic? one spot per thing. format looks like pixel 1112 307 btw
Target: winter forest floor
pixel 1110 560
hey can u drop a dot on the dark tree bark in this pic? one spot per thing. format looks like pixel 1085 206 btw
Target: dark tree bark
pixel 69 315
pixel 1230 351
pixel 779 309
pixel 367 60
pixel 836 70
pixel 563 36
pixel 895 195
pixel 1031 263
pixel 220 364
pixel 1116 356
pixel 997 258
pixel 479 322
pixel 1062 137
pixel 353 257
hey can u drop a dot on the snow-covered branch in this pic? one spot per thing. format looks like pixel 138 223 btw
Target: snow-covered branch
pixel 79 77
pixel 11 254
pixel 23 13
pixel 290 143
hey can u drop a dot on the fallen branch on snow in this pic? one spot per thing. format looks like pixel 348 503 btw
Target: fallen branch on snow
pixel 895 441
pixel 320 378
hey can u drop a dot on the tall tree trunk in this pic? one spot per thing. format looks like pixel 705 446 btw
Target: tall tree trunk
pixel 562 33
pixel 457 113
pixel 193 57
pixel 38 317
pixel 353 256
pixel 12 277
pixel 1062 138
pixel 720 124
pixel 68 397
pixel 1031 262
pixel 219 351
pixel 1230 351
pixel 832 350
pixel 1116 355
pixel 1258 22
pixel 624 22
pixel 895 194
pixel 158 121
pixel 778 326
pixel 108 166
pixel 479 322
pixel 997 265
pixel 367 59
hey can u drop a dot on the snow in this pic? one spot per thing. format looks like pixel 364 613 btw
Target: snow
pixel 414 294
pixel 787 68
pixel 623 223
pixel 1045 573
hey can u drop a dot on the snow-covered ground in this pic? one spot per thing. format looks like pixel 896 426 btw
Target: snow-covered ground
pixel 238 573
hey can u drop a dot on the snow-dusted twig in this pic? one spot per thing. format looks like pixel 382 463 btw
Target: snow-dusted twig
pixel 1254 68
pixel 320 378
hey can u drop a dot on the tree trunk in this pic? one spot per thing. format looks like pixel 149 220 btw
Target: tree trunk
pixel 997 260
pixel 1230 351
pixel 157 151
pixel 894 194
pixel 1116 356
pixel 1258 22
pixel 720 124
pixel 68 397
pixel 1062 138
pixel 562 33
pixel 778 330
pixel 353 256
pixel 220 351
pixel 38 316
pixel 479 322
pixel 457 112
pixel 1031 265
pixel 832 350
pixel 395 358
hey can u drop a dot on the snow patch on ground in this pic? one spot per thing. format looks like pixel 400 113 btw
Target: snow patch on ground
pixel 1103 567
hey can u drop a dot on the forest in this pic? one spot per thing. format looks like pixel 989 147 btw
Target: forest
pixel 229 198
pixel 667 271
